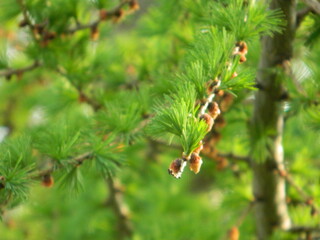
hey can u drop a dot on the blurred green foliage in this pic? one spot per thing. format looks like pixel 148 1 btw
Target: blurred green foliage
pixel 156 61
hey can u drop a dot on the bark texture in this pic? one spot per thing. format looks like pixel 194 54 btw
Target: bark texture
pixel 268 187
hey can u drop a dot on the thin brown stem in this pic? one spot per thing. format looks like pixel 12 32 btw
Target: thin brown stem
pixel 74 161
pixel 313 4
pixel 236 158
pixel 8 73
pixel 308 199
pixel 302 229
pixel 109 15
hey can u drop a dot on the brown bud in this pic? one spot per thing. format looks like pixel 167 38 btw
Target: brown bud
pixel 118 15
pixel 195 163
pixel 282 172
pixel 235 74
pixel 199 148
pixel 243 48
pixel 47 180
pixel 103 14
pixel 212 85
pixel 94 33
pixel 176 167
pixel 213 109
pixel 219 93
pixel 208 120
pixel 134 5
pixel 234 233
pixel 242 58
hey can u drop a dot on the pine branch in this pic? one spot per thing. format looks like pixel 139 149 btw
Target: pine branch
pixel 116 14
pixel 308 200
pixel 303 229
pixel 73 161
pixel 20 71
pixel 313 4
pixel 82 96
pixel 104 15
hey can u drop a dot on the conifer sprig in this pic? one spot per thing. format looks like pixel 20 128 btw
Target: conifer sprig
pixel 246 19
pixel 211 63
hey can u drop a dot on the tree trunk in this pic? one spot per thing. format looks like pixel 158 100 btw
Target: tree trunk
pixel 268 187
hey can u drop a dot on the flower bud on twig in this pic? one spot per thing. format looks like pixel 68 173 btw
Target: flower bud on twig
pixel 47 180
pixel 234 233
pixel 176 167
pixel 213 109
pixel 195 163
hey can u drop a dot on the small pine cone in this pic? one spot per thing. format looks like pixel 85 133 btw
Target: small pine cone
pixel 242 58
pixel 134 5
pixel 208 120
pixel 219 93
pixel 195 162
pixel 103 14
pixel 199 148
pixel 176 167
pixel 94 33
pixel 234 233
pixel 213 110
pixel 243 48
pixel 47 180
